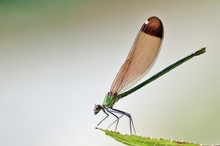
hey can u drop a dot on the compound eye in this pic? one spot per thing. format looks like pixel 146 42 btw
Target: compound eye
pixel 97 109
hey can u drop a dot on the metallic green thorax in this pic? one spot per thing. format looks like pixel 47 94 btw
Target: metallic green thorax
pixel 110 100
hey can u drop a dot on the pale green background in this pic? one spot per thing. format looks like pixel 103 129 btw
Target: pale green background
pixel 58 58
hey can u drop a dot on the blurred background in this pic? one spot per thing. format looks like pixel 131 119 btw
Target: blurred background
pixel 59 58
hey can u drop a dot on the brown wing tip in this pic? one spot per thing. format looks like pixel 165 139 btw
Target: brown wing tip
pixel 153 27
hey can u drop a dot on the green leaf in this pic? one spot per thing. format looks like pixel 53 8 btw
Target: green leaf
pixel 134 140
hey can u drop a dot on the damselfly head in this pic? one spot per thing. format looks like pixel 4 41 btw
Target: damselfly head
pixel 97 108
